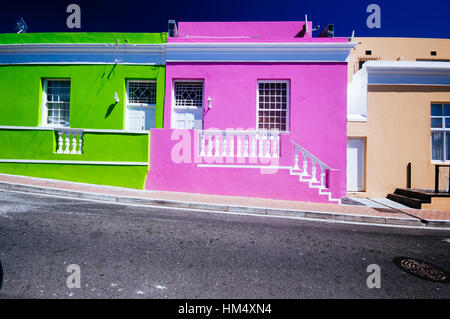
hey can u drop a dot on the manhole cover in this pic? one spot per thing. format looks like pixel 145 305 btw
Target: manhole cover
pixel 422 269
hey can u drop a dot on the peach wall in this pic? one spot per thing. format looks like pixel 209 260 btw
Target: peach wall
pixel 398 132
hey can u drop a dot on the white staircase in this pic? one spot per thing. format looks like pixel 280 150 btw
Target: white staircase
pixel 312 171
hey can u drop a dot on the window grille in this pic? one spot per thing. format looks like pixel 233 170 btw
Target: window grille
pixel 273 105
pixel 142 92
pixel 57 102
pixel 189 94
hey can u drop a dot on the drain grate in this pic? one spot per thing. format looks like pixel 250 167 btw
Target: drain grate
pixel 422 269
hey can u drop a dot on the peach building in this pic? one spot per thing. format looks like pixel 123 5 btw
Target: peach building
pixel 398 119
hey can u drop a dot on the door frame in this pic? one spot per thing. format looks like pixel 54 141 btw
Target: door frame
pixel 364 163
pixel 174 108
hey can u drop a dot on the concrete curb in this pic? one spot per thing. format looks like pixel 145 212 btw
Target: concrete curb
pixel 301 214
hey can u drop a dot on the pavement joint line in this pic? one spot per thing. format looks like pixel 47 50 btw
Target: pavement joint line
pixel 227 207
pixel 332 221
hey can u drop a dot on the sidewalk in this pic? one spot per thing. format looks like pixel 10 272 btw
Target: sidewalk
pixel 306 210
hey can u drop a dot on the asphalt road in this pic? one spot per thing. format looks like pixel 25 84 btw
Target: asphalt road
pixel 141 252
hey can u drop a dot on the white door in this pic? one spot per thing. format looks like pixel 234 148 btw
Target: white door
pixel 188 105
pixel 140 118
pixel 355 164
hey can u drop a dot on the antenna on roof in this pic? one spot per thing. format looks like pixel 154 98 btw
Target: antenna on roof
pixel 21 26
pixel 306 23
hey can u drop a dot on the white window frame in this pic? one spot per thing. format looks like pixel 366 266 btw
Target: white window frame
pixel 185 107
pixel 288 106
pixel 44 114
pixel 442 129
pixel 144 105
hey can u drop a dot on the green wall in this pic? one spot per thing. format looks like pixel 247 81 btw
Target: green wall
pixel 92 89
pixel 92 106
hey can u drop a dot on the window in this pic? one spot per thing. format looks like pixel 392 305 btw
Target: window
pixel 189 94
pixel 273 105
pixel 56 102
pixel 141 105
pixel 142 92
pixel 440 132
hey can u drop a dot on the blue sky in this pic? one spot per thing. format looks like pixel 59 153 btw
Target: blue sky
pixel 399 18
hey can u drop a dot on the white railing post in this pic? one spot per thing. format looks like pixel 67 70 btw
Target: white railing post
pixel 60 142
pixel 246 137
pixel 305 165
pixel 254 141
pixel 313 172
pixel 217 148
pixel 296 160
pixel 239 145
pixel 276 145
pixel 231 145
pixel 67 143
pixel 224 144
pixel 260 148
pixel 74 143
pixel 322 176
pixel 210 146
pixel 80 143
pixel 202 144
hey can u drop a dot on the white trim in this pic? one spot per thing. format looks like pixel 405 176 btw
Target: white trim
pixel 72 162
pixel 356 118
pixel 44 114
pixel 85 130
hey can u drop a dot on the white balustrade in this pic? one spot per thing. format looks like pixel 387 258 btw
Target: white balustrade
pixel 316 164
pixel 262 144
pixel 70 141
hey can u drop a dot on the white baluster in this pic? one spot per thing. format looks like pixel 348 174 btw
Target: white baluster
pixel 60 142
pixel 224 144
pixel 254 141
pixel 246 145
pixel 260 148
pixel 217 148
pixel 231 145
pixel 202 144
pixel 296 160
pixel 239 145
pixel 266 149
pixel 305 165
pixel 80 144
pixel 276 143
pixel 210 146
pixel 322 177
pixel 74 143
pixel 313 173
pixel 67 151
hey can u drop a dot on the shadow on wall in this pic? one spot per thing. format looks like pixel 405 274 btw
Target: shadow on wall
pixel 110 109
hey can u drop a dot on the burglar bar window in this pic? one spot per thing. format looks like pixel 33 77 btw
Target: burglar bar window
pixel 440 132
pixel 56 102
pixel 189 94
pixel 142 92
pixel 273 104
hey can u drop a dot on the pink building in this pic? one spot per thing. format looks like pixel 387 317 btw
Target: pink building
pixel 253 109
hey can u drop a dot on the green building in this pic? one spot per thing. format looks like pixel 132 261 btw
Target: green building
pixel 79 106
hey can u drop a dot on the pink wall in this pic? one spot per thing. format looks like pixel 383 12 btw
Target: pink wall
pixel 167 175
pixel 317 121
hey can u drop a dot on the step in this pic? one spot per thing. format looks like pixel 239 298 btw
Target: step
pixel 413 194
pixel 407 201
